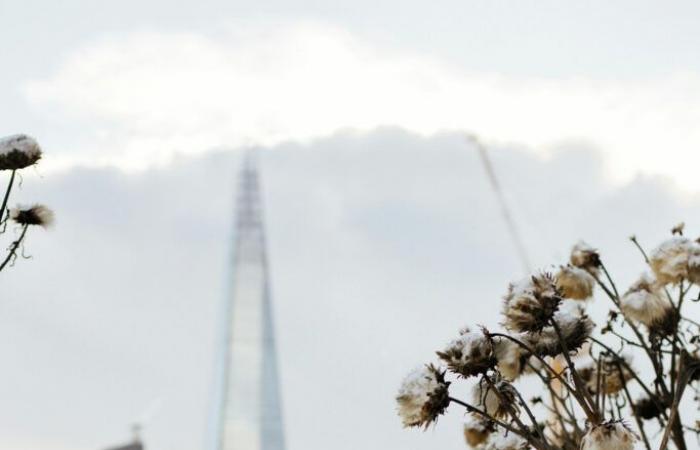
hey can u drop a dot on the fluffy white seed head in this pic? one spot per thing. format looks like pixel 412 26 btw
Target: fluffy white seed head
pixel 18 151
pixel 510 357
pixel 422 397
pixel 470 354
pixel 610 435
pixel 585 257
pixel 644 302
pixel 497 398
pixel 477 431
pixel 506 441
pixel 670 260
pixel 575 329
pixel 574 282
pixel 531 303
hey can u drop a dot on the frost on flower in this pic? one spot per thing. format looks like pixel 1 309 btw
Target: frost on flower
pixel 645 302
pixel 530 304
pixel 676 259
pixel 496 397
pixel 470 354
pixel 575 330
pixel 585 257
pixel 506 441
pixel 18 151
pixel 511 358
pixel 610 435
pixel 574 283
pixel 477 431
pixel 422 397
pixel 33 215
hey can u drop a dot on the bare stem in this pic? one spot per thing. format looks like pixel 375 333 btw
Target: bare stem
pixel 582 394
pixel 474 409
pixel 7 196
pixel 13 247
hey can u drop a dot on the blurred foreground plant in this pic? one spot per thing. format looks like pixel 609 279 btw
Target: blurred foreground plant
pixel 16 153
pixel 589 395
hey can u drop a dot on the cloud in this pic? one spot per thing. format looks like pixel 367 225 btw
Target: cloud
pixel 136 99
pixel 382 245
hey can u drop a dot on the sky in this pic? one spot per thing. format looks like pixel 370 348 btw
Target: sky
pixel 384 234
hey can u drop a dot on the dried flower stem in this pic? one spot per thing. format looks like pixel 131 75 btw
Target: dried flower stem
pixel 556 374
pixel 3 208
pixel 13 247
pixel 582 393
pixel 474 409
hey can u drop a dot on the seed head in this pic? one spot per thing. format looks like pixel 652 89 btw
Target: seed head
pixel 575 329
pixel 496 397
pixel 423 396
pixel 33 215
pixel 646 408
pixel 18 151
pixel 574 283
pixel 511 358
pixel 676 259
pixel 644 302
pixel 609 435
pixel 506 441
pixel 477 431
pixel 472 353
pixel 612 376
pixel 530 304
pixel 585 257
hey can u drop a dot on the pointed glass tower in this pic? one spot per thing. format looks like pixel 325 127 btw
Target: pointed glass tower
pixel 250 413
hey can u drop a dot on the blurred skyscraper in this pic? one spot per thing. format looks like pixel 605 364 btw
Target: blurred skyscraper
pixel 250 414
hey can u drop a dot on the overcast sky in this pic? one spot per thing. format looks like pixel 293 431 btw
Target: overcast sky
pixel 384 236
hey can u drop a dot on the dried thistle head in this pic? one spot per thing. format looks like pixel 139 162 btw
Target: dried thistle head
pixel 530 304
pixel 575 331
pixel 423 396
pixel 609 435
pixel 18 151
pixel 645 303
pixel 676 259
pixel 477 431
pixel 611 374
pixel 33 215
pixel 506 441
pixel 495 396
pixel 511 358
pixel 574 282
pixel 472 353
pixel 648 408
pixel 585 257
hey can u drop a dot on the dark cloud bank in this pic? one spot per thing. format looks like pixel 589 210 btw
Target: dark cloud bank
pixel 382 246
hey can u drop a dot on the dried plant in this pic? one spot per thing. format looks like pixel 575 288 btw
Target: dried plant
pixel 19 152
pixel 590 394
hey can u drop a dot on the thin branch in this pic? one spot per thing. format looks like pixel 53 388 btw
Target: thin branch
pixel 13 248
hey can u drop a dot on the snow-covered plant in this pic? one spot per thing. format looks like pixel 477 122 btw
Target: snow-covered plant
pixel 18 152
pixel 589 394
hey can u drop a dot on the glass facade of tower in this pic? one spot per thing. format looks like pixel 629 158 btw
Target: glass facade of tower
pixel 250 416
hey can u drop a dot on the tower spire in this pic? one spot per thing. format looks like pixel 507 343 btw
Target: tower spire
pixel 250 412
